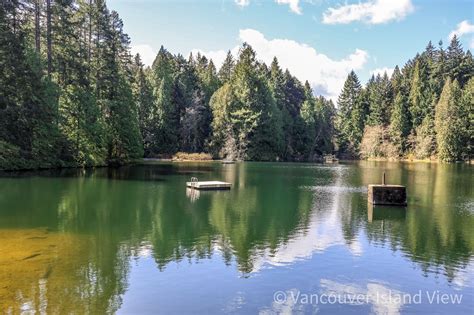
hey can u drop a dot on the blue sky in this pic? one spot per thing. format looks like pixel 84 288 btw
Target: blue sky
pixel 318 40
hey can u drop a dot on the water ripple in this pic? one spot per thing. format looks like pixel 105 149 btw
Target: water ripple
pixel 336 189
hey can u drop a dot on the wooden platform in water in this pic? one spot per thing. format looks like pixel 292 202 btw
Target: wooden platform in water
pixel 209 185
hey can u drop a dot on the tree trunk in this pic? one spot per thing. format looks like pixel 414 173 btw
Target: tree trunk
pixel 48 36
pixel 90 33
pixel 37 26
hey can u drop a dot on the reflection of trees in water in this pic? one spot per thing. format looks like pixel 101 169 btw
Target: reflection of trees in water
pixel 126 212
pixel 271 210
pixel 437 229
pixel 261 217
pixel 266 209
pixel 240 223
pixel 111 214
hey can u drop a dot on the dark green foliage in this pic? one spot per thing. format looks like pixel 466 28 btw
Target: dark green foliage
pixel 451 123
pixel 225 72
pixel 144 102
pixel 317 115
pixel 254 115
pixel 165 125
pixel 454 60
pixel 349 101
pixel 72 96
pixel 115 92
pixel 420 102
pixel 289 97
pixel 400 122
pixel 27 108
pixel 82 112
pixel 79 117
pixel 380 96
pixel 468 106
pixel 399 114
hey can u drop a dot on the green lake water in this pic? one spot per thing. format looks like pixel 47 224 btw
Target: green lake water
pixel 287 238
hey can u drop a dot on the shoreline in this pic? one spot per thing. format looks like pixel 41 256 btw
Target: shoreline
pixel 144 160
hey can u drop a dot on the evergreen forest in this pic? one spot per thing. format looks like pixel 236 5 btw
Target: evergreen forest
pixel 72 95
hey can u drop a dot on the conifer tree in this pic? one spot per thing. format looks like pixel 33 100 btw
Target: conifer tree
pixel 28 133
pixel 225 72
pixel 116 97
pixel 255 118
pixel 450 123
pixel 420 104
pixel 144 102
pixel 224 140
pixel 466 68
pixel 359 118
pixel 79 117
pixel 317 115
pixel 454 60
pixel 166 124
pixel 397 81
pixel 310 119
pixel 468 120
pixel 400 122
pixel 347 102
pixel 82 101
pixel 281 87
pixel 380 100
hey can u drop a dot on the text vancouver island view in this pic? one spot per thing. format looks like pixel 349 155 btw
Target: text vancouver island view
pixel 236 157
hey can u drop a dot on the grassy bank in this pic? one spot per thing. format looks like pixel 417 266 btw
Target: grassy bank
pixel 183 156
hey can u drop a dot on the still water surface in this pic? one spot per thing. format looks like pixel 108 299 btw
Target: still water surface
pixel 286 239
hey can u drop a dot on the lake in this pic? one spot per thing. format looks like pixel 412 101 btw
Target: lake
pixel 287 238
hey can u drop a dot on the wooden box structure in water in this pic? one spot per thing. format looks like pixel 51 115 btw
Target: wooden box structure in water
pixel 390 195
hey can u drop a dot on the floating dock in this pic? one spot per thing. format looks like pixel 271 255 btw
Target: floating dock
pixel 207 185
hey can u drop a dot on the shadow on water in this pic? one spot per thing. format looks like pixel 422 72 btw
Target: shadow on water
pixel 138 172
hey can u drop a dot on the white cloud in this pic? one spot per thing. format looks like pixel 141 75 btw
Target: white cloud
pixel 242 3
pixel 463 28
pixel 147 53
pixel 371 294
pixel 371 12
pixel 381 71
pixel 294 5
pixel 325 75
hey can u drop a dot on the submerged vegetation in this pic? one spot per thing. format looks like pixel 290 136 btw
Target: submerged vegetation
pixel 72 95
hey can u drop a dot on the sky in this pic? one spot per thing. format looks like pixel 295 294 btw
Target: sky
pixel 317 40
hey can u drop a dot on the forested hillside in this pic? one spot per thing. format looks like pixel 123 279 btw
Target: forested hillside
pixel 72 95
pixel 424 110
